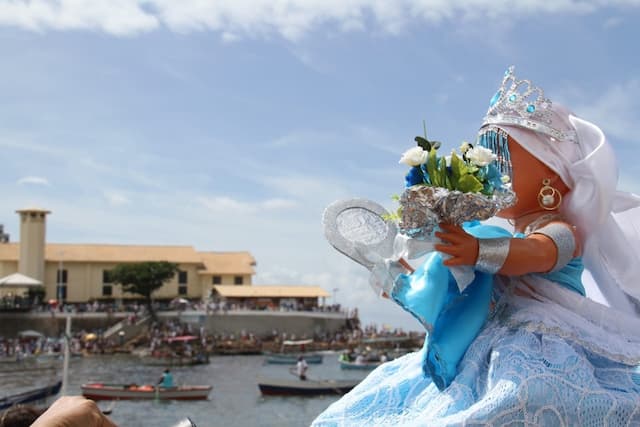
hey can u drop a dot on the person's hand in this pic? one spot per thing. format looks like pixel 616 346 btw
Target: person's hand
pixel 461 246
pixel 73 411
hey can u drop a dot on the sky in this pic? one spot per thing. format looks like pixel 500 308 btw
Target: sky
pixel 230 125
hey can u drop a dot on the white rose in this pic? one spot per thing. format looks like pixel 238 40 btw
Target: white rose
pixel 414 156
pixel 480 156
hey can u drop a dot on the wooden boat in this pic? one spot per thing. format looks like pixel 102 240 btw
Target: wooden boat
pixel 362 365
pixel 292 358
pixel 31 396
pixel 296 387
pixel 100 391
pixel 290 351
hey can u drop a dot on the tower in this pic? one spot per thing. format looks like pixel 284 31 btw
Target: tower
pixel 32 242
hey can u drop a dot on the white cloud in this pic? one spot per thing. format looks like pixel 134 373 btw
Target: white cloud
pixel 230 206
pixel 229 37
pixel 291 19
pixel 115 198
pixel 616 110
pixel 117 17
pixel 34 180
pixel 613 22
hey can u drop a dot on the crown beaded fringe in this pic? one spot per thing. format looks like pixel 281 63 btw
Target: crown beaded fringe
pixel 496 140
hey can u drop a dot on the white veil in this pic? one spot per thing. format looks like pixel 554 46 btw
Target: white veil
pixel 607 220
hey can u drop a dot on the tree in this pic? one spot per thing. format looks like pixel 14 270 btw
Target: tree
pixel 143 278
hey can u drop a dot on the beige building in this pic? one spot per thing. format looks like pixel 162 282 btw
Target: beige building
pixel 80 272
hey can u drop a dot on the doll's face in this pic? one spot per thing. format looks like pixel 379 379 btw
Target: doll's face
pixel 527 175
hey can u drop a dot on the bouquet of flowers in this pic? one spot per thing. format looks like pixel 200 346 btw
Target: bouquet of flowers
pixel 451 189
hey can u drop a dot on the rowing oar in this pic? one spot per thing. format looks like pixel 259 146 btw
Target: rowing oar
pixel 109 410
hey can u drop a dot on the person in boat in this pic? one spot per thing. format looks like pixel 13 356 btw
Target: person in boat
pixel 166 380
pixel 527 342
pixel 301 368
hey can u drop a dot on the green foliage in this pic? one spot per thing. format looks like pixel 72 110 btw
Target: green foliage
pixel 469 184
pixel 394 217
pixel 143 278
pixel 463 177
pixel 432 168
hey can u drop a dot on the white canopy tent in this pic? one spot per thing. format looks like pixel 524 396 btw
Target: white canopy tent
pixel 17 280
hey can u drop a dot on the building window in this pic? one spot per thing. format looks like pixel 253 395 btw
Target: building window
pixel 61 276
pixel 106 277
pixel 182 290
pixel 61 292
pixel 107 290
pixel 216 280
pixel 237 280
pixel 182 277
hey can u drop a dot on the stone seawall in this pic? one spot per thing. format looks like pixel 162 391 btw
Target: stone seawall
pixel 257 322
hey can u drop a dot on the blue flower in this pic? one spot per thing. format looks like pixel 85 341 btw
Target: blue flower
pixel 414 176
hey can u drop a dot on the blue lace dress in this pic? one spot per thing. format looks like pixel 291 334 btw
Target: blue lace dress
pixel 508 351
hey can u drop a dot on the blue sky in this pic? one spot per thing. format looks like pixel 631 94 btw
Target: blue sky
pixel 231 125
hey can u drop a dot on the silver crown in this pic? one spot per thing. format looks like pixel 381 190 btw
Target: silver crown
pixel 520 103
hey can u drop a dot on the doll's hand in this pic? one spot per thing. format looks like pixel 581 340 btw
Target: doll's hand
pixel 461 246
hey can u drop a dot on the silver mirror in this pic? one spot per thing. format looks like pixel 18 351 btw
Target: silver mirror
pixel 352 222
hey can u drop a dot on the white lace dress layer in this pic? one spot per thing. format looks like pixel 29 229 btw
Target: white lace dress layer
pixel 546 357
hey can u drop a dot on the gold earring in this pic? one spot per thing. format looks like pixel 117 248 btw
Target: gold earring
pixel 549 198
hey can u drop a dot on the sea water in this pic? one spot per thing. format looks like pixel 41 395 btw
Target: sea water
pixel 235 399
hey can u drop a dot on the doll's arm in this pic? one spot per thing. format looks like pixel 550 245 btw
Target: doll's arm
pixel 538 253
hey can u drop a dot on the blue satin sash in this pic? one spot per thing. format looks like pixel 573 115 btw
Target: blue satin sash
pixel 452 318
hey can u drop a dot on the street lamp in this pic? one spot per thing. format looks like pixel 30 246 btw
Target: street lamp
pixel 60 278
pixel 334 294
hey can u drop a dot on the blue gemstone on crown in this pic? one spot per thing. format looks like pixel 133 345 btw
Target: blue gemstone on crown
pixel 495 98
pixel 513 98
pixel 531 108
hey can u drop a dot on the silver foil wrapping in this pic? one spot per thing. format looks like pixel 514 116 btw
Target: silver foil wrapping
pixel 424 207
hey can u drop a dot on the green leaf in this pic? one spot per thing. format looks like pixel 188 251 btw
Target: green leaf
pixel 432 168
pixel 442 172
pixel 458 167
pixel 469 184
pixel 422 142
pixel 393 217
